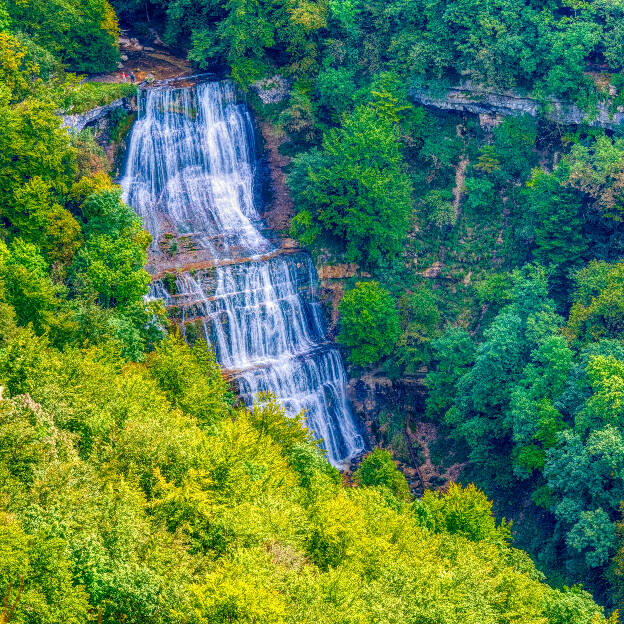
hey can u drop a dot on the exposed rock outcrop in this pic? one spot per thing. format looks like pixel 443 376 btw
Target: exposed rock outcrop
pixel 278 209
pixel 338 271
pixel 79 122
pixel 469 98
pixel 272 90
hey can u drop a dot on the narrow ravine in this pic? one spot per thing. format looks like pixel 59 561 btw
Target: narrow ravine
pixel 190 175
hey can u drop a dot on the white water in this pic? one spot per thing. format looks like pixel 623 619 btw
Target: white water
pixel 191 171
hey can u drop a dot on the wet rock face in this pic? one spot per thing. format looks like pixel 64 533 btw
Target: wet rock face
pixel 477 100
pixel 373 393
pixel 272 90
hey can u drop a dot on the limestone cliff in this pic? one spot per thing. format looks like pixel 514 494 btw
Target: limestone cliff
pixel 482 101
pixel 79 122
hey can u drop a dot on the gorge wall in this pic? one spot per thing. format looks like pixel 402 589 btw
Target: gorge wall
pixel 478 100
pixel 98 115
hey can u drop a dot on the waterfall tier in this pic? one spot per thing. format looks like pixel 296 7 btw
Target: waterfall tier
pixel 191 177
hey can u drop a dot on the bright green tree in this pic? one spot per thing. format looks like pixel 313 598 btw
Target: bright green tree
pixel 598 309
pixel 112 269
pixel 369 323
pixel 462 511
pixel 378 469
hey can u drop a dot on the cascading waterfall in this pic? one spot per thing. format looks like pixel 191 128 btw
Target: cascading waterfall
pixel 190 175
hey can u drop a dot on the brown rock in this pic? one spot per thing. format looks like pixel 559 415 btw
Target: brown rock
pixel 337 271
pixel 289 243
pixel 433 271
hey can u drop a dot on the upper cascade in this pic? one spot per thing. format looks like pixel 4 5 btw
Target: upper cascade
pixel 191 169
pixel 191 175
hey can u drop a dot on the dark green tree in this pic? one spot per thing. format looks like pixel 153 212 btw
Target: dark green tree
pixel 453 354
pixel 554 213
pixel 358 193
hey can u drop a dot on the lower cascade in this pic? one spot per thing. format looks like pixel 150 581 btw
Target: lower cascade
pixel 191 176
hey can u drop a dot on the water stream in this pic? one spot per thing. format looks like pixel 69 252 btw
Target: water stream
pixel 191 176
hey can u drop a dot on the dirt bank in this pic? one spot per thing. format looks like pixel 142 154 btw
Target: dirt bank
pixel 148 58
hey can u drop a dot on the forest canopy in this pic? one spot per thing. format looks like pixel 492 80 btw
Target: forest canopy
pixel 135 487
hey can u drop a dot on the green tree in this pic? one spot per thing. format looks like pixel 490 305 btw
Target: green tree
pixel 106 214
pixel 36 579
pixel 462 511
pixel 82 34
pixel 605 375
pixel 597 310
pixel 112 269
pixel 616 569
pixel 17 73
pixel 378 469
pixel 420 319
pixel 359 194
pixel 586 481
pixel 533 412
pixel 191 378
pixel 597 171
pixel 29 288
pixel 453 352
pixel 299 119
pixel 37 218
pixel 335 90
pixel 33 144
pixel 554 211
pixel 481 413
pixel 369 323
pixel 239 39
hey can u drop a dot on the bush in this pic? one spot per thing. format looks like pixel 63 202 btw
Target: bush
pixel 378 469
pixel 89 95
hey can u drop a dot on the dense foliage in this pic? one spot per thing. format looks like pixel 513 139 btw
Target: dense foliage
pixel 540 47
pixel 73 254
pixel 537 403
pixel 82 35
pixel 496 245
pixel 132 488
pixel 369 323
pixel 138 493
pixel 355 190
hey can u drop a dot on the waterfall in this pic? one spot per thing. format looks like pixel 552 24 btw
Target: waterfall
pixel 191 176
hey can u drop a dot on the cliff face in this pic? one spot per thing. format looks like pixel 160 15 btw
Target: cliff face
pixel 76 123
pixel 477 100
pixel 110 126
